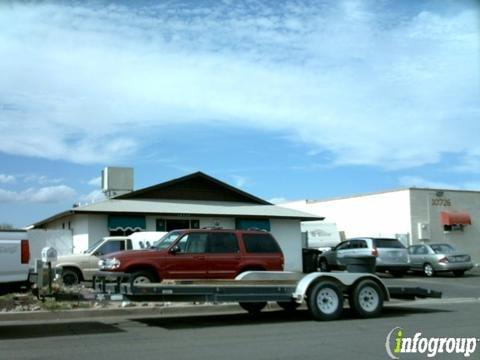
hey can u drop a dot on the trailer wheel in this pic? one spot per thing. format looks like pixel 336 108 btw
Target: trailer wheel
pixel 253 307
pixel 366 299
pixel 288 306
pixel 325 301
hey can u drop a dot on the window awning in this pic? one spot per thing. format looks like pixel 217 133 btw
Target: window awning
pixel 124 223
pixel 455 218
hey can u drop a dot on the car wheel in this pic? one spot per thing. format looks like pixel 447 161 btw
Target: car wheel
pixel 70 277
pixel 288 306
pixel 325 301
pixel 253 307
pixel 366 299
pixel 142 277
pixel 458 273
pixel 324 265
pixel 428 270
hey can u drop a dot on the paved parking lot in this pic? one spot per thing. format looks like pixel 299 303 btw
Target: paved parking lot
pixel 272 335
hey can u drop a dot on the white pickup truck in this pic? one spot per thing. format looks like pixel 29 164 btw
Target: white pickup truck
pixel 81 267
pixel 14 258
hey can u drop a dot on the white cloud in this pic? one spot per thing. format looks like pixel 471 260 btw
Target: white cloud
pixel 97 182
pixel 93 196
pixel 92 84
pixel 40 179
pixel 277 200
pixel 6 179
pixel 240 181
pixel 420 182
pixel 49 194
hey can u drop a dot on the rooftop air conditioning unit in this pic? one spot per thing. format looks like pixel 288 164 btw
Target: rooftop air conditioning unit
pixel 117 181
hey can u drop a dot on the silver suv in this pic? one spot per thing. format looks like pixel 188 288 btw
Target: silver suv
pixel 391 255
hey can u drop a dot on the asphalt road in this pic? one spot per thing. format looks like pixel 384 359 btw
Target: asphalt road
pixel 272 335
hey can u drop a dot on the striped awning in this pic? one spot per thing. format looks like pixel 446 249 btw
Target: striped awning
pixel 124 223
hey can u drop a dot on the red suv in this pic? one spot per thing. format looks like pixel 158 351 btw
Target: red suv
pixel 199 254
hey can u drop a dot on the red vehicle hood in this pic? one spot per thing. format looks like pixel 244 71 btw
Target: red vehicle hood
pixel 132 253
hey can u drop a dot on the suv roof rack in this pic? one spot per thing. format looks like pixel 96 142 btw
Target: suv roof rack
pixel 212 228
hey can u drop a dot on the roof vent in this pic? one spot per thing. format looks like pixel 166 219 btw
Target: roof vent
pixel 117 181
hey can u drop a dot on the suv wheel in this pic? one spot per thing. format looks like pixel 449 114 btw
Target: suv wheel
pixel 253 307
pixel 324 265
pixel 142 277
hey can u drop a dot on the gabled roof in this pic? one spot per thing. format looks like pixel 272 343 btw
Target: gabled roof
pixel 196 186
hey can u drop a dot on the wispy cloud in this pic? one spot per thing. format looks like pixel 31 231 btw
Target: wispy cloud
pixel 49 194
pixel 277 200
pixel 93 196
pixel 6 179
pixel 240 181
pixel 92 83
pixel 40 179
pixel 97 182
pixel 420 182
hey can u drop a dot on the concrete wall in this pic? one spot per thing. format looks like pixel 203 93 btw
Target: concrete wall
pixel 385 214
pixel 288 235
pixel 61 240
pixel 426 208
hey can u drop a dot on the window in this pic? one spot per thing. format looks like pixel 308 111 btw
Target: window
pixel 129 244
pixel 167 240
pixel 420 250
pixel 221 243
pixel 442 248
pixel 193 243
pixel 111 246
pixel 388 243
pixel 260 243
pixel 175 224
pixel 358 244
pixel 257 224
pixel 343 246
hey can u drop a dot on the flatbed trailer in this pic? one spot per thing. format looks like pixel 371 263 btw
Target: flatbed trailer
pixel 324 293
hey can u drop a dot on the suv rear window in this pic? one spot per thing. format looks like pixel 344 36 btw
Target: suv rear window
pixel 260 243
pixel 388 243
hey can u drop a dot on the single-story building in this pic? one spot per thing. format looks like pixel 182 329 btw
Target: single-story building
pixel 412 215
pixel 193 201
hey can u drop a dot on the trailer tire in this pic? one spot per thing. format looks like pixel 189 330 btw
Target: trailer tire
pixel 253 307
pixel 325 301
pixel 288 306
pixel 366 299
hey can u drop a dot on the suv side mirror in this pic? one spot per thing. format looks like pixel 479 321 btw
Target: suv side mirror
pixel 175 249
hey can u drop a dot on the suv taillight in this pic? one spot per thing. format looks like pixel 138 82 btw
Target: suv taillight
pixel 374 251
pixel 24 252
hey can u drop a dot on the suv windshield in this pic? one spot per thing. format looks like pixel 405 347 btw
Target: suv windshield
pixel 166 240
pixel 388 243
pixel 442 248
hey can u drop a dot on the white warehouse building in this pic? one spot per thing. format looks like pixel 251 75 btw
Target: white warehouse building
pixel 412 215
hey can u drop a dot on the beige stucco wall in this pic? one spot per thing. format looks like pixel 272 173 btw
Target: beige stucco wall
pixel 426 208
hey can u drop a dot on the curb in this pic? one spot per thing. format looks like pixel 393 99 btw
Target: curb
pixel 129 311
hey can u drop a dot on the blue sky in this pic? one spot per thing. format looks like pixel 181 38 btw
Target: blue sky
pixel 284 99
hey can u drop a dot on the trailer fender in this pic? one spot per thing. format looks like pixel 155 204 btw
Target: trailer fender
pixel 348 280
